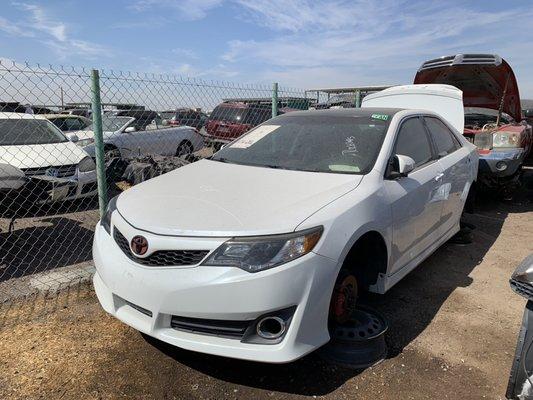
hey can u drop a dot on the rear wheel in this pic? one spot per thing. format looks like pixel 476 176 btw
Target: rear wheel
pixel 184 148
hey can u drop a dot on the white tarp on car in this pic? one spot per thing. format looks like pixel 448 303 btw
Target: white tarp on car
pixel 445 100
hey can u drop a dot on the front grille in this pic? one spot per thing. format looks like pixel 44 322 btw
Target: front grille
pixel 61 171
pixel 216 327
pixel 161 258
pixel 523 289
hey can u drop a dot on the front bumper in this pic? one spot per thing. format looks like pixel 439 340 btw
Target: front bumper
pixel 216 293
pixel 492 163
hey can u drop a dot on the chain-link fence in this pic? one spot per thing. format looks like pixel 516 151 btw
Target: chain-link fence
pixel 50 121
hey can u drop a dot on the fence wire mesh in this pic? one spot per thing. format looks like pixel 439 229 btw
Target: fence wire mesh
pixel 151 124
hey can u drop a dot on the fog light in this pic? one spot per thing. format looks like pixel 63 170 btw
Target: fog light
pixel 271 327
pixel 501 165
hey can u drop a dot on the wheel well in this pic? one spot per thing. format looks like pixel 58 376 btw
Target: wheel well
pixel 109 146
pixel 367 259
pixel 185 141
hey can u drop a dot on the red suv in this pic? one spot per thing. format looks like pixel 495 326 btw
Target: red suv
pixel 229 120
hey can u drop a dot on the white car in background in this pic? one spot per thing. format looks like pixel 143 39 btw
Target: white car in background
pixel 128 136
pixel 254 252
pixel 33 147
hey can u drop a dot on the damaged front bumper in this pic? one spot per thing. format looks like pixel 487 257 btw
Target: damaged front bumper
pixel 501 162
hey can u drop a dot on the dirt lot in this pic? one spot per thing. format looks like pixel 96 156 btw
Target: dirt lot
pixel 453 330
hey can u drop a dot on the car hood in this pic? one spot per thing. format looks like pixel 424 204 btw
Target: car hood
pixel 483 78
pixel 86 134
pixel 41 155
pixel 210 198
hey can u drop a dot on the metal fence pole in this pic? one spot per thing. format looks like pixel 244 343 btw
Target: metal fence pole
pixel 274 99
pixel 98 141
pixel 357 98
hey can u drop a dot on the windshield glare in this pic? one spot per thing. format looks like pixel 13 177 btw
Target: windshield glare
pixel 29 131
pixel 111 123
pixel 310 143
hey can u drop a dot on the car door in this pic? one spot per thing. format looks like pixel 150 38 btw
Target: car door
pixel 416 210
pixel 145 140
pixel 454 160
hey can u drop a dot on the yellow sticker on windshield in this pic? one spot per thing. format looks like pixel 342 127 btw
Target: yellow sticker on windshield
pixel 254 136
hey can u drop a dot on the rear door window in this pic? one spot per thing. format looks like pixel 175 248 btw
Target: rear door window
pixel 413 141
pixel 444 140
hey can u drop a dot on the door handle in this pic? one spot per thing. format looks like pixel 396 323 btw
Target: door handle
pixel 439 176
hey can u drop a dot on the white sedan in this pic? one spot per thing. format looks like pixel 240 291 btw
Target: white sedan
pixel 128 136
pixel 32 148
pixel 254 253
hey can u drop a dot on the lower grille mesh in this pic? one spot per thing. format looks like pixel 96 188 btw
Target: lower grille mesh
pixel 223 328
pixel 161 258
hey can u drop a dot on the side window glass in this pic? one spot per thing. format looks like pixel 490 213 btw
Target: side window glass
pixel 412 141
pixel 442 136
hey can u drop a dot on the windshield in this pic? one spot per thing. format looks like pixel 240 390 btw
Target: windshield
pixel 111 123
pixel 228 113
pixel 168 114
pixel 311 143
pixel 29 131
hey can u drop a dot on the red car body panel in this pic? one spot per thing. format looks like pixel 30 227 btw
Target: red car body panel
pixel 482 82
pixel 230 120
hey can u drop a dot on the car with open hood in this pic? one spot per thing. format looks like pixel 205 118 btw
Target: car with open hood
pixel 493 115
pixel 257 252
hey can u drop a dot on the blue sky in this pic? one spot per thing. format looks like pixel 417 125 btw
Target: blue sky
pixel 305 44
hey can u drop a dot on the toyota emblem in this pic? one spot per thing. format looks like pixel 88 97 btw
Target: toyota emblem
pixel 139 245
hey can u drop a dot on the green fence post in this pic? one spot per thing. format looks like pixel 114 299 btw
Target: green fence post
pixel 98 141
pixel 357 98
pixel 274 99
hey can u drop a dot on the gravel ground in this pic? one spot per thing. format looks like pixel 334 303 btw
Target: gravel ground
pixel 453 326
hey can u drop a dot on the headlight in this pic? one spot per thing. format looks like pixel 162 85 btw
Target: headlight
pixel 506 139
pixel 86 165
pixel 106 219
pixel 254 254
pixel 85 142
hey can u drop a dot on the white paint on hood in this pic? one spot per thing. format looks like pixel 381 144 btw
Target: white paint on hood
pixel 210 198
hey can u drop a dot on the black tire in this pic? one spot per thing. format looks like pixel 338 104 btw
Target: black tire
pixel 184 148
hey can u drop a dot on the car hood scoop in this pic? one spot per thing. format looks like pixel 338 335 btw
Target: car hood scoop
pixel 210 198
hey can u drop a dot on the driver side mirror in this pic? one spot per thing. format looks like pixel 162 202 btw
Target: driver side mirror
pixel 130 129
pixel 400 166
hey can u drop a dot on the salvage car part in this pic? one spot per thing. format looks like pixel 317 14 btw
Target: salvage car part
pixel 520 384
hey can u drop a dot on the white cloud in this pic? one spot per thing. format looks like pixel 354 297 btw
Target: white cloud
pixel 12 29
pixel 352 43
pixel 184 53
pixel 40 21
pixel 188 9
pixel 50 32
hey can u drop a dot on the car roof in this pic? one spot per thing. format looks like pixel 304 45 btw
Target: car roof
pixel 12 115
pixel 344 112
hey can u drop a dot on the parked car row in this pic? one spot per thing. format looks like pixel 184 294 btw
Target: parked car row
pixel 492 119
